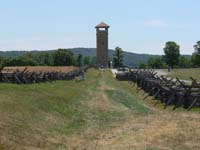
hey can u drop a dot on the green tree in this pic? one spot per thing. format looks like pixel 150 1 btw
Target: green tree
pixel 93 60
pixel 184 62
pixel 44 59
pixel 155 63
pixel 63 57
pixel 118 57
pixel 196 55
pixel 195 59
pixel 25 60
pixel 142 66
pixel 172 54
pixel 79 60
pixel 86 60
pixel 2 62
pixel 197 47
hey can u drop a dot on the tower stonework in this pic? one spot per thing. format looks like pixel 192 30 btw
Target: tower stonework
pixel 102 44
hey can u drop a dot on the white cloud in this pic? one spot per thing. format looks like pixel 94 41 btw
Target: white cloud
pixel 156 23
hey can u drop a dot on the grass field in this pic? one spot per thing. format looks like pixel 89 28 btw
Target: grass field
pixel 99 113
pixel 185 74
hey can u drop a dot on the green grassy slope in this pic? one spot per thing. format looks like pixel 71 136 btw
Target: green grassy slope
pixel 99 113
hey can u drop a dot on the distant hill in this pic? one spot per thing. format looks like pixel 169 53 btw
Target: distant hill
pixel 16 53
pixel 130 59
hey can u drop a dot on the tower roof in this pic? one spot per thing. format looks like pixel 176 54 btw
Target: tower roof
pixel 102 25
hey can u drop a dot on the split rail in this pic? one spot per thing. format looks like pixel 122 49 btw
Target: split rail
pixel 28 77
pixel 167 90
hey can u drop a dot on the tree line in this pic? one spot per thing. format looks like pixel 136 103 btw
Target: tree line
pixel 65 57
pixel 60 57
pixel 173 59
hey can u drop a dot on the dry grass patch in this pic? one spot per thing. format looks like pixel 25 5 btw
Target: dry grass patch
pixel 161 131
pixel 183 74
pixel 40 68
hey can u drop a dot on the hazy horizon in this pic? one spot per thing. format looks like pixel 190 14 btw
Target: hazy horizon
pixel 83 48
pixel 135 26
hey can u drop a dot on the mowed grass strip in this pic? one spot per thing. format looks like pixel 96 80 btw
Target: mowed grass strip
pixel 128 100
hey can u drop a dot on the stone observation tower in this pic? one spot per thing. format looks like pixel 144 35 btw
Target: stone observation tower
pixel 102 44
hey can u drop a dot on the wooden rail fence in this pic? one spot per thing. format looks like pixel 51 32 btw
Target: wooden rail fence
pixel 28 77
pixel 170 91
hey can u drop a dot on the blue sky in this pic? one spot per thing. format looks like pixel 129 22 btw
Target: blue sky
pixel 140 26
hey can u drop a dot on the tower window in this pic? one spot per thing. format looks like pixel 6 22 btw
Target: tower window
pixel 102 29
